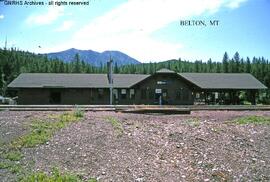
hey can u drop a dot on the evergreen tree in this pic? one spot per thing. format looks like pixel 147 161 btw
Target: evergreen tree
pixel 225 62
pixel 236 58
pixel 115 69
pixel 77 64
pixel 13 62
pixel 248 66
pixel 210 66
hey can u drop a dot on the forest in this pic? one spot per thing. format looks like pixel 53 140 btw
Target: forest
pixel 13 62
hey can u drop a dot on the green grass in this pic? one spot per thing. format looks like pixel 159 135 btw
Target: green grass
pixel 92 180
pixel 13 155
pixel 42 131
pixel 116 124
pixel 4 165
pixel 253 120
pixel 78 112
pixel 194 122
pixel 56 176
pixel 12 167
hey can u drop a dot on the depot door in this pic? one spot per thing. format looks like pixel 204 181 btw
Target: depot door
pixel 161 96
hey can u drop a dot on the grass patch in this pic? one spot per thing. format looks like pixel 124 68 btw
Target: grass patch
pixel 13 155
pixel 42 131
pixel 194 122
pixel 92 180
pixel 4 165
pixel 12 167
pixel 55 176
pixel 253 120
pixel 116 124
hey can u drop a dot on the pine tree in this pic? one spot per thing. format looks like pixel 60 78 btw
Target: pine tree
pixel 225 62
pixel 248 66
pixel 77 64
pixel 210 66
pixel 236 58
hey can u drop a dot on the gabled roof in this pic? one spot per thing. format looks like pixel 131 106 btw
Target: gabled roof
pixel 201 80
pixel 55 80
pixel 223 80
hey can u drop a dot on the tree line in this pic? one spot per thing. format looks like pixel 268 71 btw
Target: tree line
pixel 13 62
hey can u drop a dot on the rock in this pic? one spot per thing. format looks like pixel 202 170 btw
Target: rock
pixel 254 159
pixel 200 171
pixel 139 180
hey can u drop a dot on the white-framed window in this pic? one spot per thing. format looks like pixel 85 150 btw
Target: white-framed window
pixel 123 91
pixel 158 91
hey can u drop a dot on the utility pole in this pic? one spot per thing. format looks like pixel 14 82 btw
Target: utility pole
pixel 6 43
pixel 110 78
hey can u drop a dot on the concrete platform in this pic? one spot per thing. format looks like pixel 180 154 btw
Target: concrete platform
pixel 136 108
pixel 159 110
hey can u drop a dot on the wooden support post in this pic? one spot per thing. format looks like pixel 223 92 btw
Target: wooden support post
pixel 253 97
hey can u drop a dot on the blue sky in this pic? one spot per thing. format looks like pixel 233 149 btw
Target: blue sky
pixel 147 30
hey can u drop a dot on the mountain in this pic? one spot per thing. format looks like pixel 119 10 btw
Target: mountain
pixel 94 58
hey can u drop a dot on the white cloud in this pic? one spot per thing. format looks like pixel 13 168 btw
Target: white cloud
pixel 2 17
pixel 67 25
pixel 235 4
pixel 46 18
pixel 130 26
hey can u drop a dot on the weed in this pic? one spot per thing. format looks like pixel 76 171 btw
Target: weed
pixel 253 120
pixel 13 155
pixel 12 167
pixel 15 168
pixel 194 122
pixel 42 131
pixel 92 180
pixel 78 112
pixel 4 165
pixel 116 125
pixel 55 176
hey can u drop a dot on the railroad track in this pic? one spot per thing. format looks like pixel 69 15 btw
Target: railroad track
pixel 135 108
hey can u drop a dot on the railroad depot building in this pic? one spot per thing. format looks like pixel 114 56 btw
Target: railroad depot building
pixel 162 87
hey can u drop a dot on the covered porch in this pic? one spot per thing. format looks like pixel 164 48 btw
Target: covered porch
pixel 225 97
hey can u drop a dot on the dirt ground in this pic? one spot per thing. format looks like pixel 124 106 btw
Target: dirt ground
pixel 203 146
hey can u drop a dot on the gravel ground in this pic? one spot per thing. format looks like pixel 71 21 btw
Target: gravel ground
pixel 203 146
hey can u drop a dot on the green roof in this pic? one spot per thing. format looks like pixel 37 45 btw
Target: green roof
pixel 55 80
pixel 223 80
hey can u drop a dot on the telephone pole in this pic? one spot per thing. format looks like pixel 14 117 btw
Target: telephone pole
pixel 110 78
pixel 6 43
